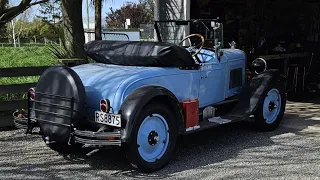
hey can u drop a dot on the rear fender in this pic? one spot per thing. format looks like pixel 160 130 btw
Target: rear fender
pixel 134 103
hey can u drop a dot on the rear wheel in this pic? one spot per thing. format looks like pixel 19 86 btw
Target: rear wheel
pixel 270 112
pixel 153 138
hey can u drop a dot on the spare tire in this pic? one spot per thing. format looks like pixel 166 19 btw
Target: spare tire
pixel 57 87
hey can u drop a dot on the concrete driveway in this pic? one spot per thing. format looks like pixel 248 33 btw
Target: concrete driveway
pixel 234 151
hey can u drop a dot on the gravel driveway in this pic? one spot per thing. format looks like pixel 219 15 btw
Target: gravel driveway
pixel 230 152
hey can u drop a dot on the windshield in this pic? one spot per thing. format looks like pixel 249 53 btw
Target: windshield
pixel 175 31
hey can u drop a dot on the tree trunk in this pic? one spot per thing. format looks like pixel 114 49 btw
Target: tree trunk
pixel 97 10
pixel 73 28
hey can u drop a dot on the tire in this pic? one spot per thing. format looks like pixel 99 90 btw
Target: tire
pixel 151 151
pixel 271 110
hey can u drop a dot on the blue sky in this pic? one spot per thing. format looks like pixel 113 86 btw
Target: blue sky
pixel 115 4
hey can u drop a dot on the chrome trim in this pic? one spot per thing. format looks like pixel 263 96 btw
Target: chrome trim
pixel 97 142
pixel 97 134
pixel 86 137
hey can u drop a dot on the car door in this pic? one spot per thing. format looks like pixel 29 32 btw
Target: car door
pixel 212 79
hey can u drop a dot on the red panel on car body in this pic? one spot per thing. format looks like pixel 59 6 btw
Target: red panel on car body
pixel 191 112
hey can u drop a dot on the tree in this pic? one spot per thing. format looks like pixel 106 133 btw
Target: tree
pixel 149 4
pixel 3 5
pixel 51 11
pixel 97 18
pixel 16 26
pixel 73 28
pixel 139 13
pixel 39 29
pixel 8 13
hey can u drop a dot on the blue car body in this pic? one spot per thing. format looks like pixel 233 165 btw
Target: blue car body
pixel 209 84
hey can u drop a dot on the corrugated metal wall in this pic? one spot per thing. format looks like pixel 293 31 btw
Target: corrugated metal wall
pixel 172 10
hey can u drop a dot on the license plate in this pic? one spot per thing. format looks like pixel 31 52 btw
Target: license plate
pixel 108 119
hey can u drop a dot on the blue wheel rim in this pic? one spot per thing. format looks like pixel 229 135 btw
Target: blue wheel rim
pixel 153 138
pixel 271 106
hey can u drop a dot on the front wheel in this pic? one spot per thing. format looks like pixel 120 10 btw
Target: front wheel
pixel 153 138
pixel 271 110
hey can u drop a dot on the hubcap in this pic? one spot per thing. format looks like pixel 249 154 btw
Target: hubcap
pixel 153 137
pixel 272 106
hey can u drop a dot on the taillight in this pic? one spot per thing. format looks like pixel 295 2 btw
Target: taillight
pixel 104 105
pixel 32 93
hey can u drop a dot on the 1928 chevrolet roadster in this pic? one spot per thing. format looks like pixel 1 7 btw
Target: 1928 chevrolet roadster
pixel 143 95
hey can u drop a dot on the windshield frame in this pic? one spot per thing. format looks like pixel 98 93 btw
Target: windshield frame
pixel 217 39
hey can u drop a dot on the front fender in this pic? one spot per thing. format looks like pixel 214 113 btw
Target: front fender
pixel 258 87
pixel 134 103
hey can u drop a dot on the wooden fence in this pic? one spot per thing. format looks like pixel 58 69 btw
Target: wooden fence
pixel 11 105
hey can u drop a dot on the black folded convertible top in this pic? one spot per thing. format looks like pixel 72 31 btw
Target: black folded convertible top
pixel 137 53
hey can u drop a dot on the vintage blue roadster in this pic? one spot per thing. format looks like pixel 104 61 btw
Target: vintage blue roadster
pixel 143 95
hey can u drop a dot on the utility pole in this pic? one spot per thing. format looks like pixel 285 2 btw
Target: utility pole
pixel 88 14
pixel 89 38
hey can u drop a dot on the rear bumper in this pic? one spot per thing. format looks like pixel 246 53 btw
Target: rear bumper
pixel 97 138
pixel 82 137
pixel 28 120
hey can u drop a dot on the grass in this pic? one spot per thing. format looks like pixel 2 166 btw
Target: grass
pixel 24 57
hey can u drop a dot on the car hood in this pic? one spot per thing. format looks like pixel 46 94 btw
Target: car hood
pixel 102 80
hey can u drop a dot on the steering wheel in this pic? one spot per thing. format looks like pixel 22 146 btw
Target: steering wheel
pixel 194 48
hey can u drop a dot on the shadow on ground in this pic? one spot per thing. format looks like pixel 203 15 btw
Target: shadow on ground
pixel 230 146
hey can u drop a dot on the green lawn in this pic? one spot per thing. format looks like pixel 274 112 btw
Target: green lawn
pixel 24 57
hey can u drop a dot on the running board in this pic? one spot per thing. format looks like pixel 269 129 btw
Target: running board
pixel 230 101
pixel 213 122
pixel 219 120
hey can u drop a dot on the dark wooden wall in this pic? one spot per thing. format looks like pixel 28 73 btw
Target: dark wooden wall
pixel 246 21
